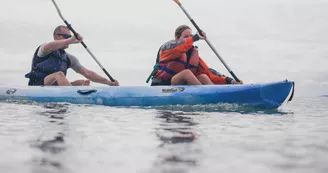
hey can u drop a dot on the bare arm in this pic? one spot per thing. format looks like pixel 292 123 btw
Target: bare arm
pixel 60 44
pixel 94 77
pixel 55 45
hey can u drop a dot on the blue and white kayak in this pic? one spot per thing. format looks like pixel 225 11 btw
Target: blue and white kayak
pixel 269 95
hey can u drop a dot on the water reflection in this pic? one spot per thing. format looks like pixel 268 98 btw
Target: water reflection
pixel 220 107
pixel 177 151
pixel 178 125
pixel 51 147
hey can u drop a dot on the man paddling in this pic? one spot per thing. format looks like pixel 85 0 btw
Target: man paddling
pixel 51 61
pixel 178 62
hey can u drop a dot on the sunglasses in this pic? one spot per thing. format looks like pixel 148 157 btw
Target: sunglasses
pixel 66 36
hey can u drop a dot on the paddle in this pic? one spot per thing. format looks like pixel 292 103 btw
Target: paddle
pixel 207 41
pixel 84 45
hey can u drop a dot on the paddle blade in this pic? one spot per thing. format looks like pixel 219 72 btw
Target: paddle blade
pixel 178 2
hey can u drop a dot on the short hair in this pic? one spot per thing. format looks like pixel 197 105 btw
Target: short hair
pixel 58 29
pixel 180 30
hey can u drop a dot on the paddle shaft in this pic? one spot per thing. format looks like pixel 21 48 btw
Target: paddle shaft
pixel 207 41
pixel 84 45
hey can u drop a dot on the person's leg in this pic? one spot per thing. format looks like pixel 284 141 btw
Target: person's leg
pixel 86 82
pixel 204 79
pixel 81 83
pixel 58 78
pixel 183 77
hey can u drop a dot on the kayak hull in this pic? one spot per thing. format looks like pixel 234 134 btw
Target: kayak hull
pixel 269 95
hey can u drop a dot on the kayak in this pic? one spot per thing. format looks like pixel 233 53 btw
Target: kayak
pixel 267 95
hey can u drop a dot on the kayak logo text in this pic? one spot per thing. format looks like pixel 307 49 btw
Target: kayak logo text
pixel 11 91
pixel 173 90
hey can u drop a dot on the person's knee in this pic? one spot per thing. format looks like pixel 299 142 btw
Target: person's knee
pixel 202 76
pixel 187 72
pixel 59 74
pixel 204 79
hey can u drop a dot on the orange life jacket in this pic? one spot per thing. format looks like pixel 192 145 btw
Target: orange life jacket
pixel 189 60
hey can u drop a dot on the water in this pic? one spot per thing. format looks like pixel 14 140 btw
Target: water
pixel 72 138
pixel 261 41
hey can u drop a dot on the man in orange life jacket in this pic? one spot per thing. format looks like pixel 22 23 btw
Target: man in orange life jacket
pixel 51 61
pixel 179 63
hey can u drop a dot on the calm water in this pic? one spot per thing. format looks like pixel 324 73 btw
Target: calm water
pixel 71 138
pixel 261 42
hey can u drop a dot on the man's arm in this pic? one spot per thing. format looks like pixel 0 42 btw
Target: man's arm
pixel 55 45
pixel 94 77
pixel 59 44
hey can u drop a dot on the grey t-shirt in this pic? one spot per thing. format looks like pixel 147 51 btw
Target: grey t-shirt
pixel 75 63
